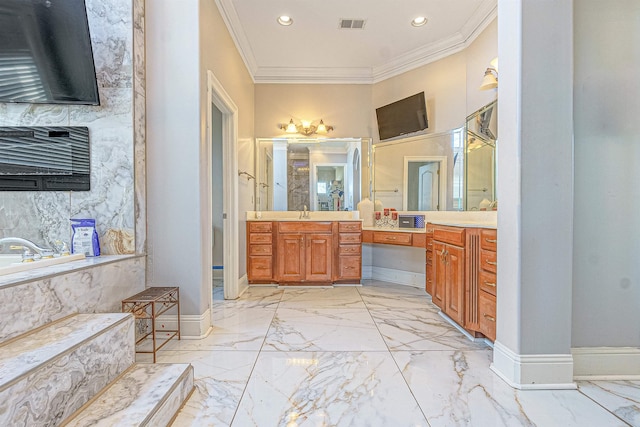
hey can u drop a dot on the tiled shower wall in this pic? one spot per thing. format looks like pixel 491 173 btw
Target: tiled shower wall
pixel 117 135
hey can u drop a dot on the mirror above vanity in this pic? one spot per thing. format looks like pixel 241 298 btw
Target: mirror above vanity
pixel 447 171
pixel 321 174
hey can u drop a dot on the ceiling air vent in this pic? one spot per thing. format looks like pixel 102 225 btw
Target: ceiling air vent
pixel 351 24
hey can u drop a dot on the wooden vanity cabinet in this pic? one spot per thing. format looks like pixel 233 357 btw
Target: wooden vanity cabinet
pixel 304 252
pixel 348 250
pixel 448 271
pixel 487 282
pixel 260 251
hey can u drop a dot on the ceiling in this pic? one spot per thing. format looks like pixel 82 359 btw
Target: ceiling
pixel 314 49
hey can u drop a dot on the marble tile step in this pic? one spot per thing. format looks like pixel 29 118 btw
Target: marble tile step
pixel 145 395
pixel 48 374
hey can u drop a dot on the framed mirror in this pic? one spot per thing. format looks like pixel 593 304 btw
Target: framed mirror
pixel 323 174
pixel 481 134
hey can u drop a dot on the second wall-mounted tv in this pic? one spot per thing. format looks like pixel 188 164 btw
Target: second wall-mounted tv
pixel 402 117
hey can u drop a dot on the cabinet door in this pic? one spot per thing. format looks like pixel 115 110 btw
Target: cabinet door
pixel 439 274
pixel 319 250
pixel 291 257
pixel 454 288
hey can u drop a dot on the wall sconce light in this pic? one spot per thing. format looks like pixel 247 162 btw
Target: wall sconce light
pixel 490 79
pixel 305 128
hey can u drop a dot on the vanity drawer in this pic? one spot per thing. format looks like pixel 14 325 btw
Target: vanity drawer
pixel 260 227
pixel 487 282
pixel 350 267
pixel 452 235
pixel 488 260
pixel 260 238
pixel 489 239
pixel 350 250
pixel 260 267
pixel 304 226
pixel 350 238
pixel 390 237
pixel 260 250
pixel 487 315
pixel 350 226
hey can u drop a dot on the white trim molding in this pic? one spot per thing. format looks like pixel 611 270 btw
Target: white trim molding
pixel 192 327
pixel 400 277
pixel 606 363
pixel 533 371
pixel 217 96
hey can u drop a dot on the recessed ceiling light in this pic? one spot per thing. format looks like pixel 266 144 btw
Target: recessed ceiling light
pixel 419 21
pixel 285 20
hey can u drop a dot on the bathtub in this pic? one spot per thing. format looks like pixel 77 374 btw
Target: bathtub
pixel 13 263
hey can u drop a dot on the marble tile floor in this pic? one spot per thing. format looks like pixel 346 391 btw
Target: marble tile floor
pixel 375 355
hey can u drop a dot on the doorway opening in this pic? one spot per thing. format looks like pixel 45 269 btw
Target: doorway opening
pixel 221 188
pixel 425 183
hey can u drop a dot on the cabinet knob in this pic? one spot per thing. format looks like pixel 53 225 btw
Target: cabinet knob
pixel 492 285
pixel 491 240
pixel 492 262
pixel 490 318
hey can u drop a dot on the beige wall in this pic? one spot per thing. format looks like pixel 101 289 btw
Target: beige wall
pixel 218 53
pixel 444 86
pixel 346 107
pixel 450 86
pixel 478 55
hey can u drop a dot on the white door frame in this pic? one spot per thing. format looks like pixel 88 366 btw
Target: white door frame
pixel 443 178
pixel 216 95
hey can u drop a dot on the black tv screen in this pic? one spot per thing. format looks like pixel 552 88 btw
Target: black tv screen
pixel 45 53
pixel 402 117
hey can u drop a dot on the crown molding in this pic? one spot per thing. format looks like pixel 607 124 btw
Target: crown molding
pixel 486 12
pixel 231 20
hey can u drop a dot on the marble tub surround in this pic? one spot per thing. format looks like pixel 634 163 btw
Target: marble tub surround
pixel 50 373
pixel 34 298
pixel 424 372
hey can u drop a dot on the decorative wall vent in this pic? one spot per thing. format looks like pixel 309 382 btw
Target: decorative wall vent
pixel 351 24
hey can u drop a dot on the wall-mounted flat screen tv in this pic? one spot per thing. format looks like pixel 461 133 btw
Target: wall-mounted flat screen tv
pixel 45 53
pixel 402 117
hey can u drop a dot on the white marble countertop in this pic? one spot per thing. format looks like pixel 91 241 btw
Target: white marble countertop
pixel 467 224
pixel 396 229
pixel 295 216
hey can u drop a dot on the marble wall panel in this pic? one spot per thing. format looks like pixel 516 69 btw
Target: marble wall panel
pixel 139 126
pixel 112 201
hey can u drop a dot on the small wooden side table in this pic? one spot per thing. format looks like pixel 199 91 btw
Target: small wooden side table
pixel 146 306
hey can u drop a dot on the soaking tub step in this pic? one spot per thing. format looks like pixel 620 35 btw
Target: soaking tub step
pixel 145 395
pixel 49 373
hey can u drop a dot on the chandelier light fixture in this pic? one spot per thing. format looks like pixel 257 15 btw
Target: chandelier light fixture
pixel 306 128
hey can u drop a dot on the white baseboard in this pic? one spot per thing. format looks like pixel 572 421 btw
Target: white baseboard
pixel 533 372
pixel 192 327
pixel 243 284
pixel 401 277
pixel 367 272
pixel 606 363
